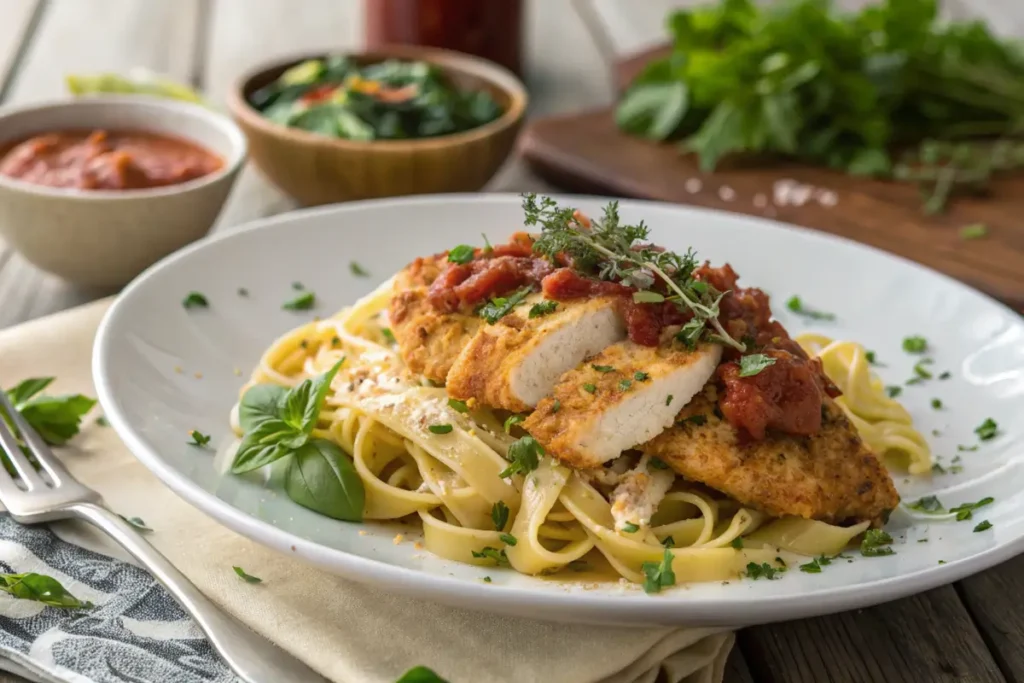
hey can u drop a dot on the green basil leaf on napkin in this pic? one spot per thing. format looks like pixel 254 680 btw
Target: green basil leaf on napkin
pixel 40 588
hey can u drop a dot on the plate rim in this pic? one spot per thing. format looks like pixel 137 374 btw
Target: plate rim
pixel 633 607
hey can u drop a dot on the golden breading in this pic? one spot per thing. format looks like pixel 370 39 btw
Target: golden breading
pixel 623 396
pixel 428 341
pixel 831 476
pixel 516 362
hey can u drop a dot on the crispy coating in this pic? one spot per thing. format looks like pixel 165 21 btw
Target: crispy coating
pixel 831 476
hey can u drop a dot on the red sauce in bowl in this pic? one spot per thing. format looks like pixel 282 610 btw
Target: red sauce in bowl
pixel 107 160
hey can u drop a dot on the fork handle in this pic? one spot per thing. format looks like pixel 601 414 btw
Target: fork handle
pixel 254 658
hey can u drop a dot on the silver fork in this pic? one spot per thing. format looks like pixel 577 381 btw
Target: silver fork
pixel 60 496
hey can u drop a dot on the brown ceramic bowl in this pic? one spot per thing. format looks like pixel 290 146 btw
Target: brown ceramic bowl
pixel 316 169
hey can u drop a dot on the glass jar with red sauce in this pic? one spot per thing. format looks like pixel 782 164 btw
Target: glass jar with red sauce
pixel 491 29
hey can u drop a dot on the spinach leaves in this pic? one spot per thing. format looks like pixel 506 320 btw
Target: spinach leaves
pixel 278 423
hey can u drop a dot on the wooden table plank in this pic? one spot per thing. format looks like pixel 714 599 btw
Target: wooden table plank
pixel 157 34
pixel 928 637
pixel 993 600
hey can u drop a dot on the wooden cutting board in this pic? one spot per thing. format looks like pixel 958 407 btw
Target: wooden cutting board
pixel 587 153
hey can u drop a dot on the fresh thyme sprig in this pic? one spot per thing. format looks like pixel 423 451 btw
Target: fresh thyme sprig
pixel 612 251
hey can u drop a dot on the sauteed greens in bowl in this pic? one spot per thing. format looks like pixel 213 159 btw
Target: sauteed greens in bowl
pixel 390 100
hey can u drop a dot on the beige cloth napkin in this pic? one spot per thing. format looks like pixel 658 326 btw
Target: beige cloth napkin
pixel 345 630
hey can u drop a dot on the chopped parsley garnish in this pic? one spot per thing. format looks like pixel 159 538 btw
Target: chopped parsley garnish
pixel 983 526
pixel 248 578
pixel 668 400
pixel 754 363
pixel 658 464
pixel 487 579
pixel 946 375
pixel 556 406
pixel 870 355
pixel 461 254
pixel 915 344
pixel 508 539
pixel 303 302
pixel 737 542
pixel 136 522
pixel 696 419
pixel 335 340
pixel 658 575
pixel 763 571
pixel 523 456
pixel 195 300
pixel 920 371
pixel 297 286
pixel 967 449
pixel 690 333
pixel 242 291
pixel 641 376
pixel 490 553
pixel 511 421
pixel 198 438
pixel 102 422
pixel 936 404
pixel 578 566
pixel 499 515
pixel 603 368
pixel 797 306
pixel 647 297
pixel 630 528
pixel 357 269
pixel 388 335
pixel 965 511
pixel 974 231
pixel 542 308
pixel 893 391
pixel 624 385
pixel 457 405
pixel 668 542
pixel 440 429
pixel 987 429
pixel 590 388
pixel 938 469
pixel 812 567
pixel 929 504
pixel 876 544
pixel 498 307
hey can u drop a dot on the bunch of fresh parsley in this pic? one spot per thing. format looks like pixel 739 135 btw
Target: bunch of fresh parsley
pixel 278 423
pixel 888 92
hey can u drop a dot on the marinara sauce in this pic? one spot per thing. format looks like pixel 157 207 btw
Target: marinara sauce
pixel 107 160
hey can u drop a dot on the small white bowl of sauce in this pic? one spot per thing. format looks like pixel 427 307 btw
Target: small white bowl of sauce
pixel 97 189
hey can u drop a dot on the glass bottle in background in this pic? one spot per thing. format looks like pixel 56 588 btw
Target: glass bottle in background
pixel 491 29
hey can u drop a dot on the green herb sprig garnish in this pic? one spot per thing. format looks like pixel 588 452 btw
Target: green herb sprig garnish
pixel 611 250
pixel 498 307
pixel 55 418
pixel 764 570
pixel 658 575
pixel 876 543
pixel 499 515
pixel 303 302
pixel 523 456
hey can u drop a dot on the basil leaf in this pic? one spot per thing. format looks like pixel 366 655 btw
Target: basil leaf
pixel 270 441
pixel 301 407
pixel 260 403
pixel 322 478
pixel 40 588
pixel 56 418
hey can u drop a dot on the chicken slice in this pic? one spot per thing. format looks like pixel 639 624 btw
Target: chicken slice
pixel 831 476
pixel 623 396
pixel 516 362
pixel 638 494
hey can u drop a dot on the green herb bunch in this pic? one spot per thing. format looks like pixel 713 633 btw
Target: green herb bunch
pixel 610 250
pixel 278 423
pixel 888 92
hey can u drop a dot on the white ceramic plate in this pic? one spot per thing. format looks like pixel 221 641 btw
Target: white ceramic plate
pixel 150 353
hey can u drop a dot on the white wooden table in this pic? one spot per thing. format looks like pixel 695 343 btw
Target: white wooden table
pixel 973 631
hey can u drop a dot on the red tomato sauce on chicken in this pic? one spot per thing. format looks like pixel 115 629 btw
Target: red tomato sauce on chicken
pixel 785 396
pixel 107 160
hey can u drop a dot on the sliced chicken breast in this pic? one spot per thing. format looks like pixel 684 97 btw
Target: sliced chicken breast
pixel 429 341
pixel 831 476
pixel 517 361
pixel 623 396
